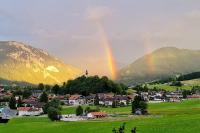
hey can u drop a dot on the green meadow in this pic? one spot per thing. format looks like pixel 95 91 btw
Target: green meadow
pixel 181 117
pixel 170 88
pixel 194 82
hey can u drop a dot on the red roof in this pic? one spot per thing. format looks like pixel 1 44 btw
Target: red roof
pixel 98 113
pixel 74 97
pixel 27 109
pixel 193 96
pixel 23 108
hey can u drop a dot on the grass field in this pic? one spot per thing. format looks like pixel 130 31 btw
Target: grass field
pixel 194 82
pixel 170 88
pixel 165 118
pixel 185 107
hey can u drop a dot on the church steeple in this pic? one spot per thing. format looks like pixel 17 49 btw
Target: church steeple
pixel 86 73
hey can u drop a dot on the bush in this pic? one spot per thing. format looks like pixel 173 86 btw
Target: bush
pixel 139 103
pixel 12 103
pixel 122 104
pixel 88 110
pixel 44 97
pixel 54 103
pixel 114 104
pixel 54 114
pixel 79 111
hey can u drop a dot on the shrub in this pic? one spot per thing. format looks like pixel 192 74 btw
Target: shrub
pixel 139 103
pixel 54 114
pixel 79 111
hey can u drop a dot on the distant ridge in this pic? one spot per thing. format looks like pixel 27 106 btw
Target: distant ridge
pixel 161 64
pixel 23 63
pixel 4 82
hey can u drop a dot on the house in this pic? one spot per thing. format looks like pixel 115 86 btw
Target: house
pixel 145 96
pixel 121 99
pixel 94 115
pixel 32 102
pixel 194 96
pixel 51 96
pixel 108 101
pixel 37 93
pixel 90 99
pixel 29 111
pixel 8 112
pixel 156 98
pixel 174 96
pixel 64 99
pixel 105 98
pixel 76 100
pixel 138 111
pixel 17 97
pixel 131 97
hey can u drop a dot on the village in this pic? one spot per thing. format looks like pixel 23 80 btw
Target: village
pixel 32 105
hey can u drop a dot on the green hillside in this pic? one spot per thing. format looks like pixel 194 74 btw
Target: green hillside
pixel 161 64
pixel 194 82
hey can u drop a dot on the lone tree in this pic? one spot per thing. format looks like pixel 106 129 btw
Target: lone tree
pixel 96 100
pixel 87 110
pixel 53 103
pixel 12 103
pixel 41 86
pixel 114 104
pixel 139 103
pixel 54 114
pixel 19 102
pixel 44 97
pixel 79 111
pixel 56 89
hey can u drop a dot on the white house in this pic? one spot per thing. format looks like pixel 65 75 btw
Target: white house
pixel 29 111
pixel 76 100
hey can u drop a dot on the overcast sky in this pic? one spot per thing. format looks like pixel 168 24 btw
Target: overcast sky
pixel 134 27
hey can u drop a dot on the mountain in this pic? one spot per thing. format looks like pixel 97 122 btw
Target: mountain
pixel 160 64
pixel 23 63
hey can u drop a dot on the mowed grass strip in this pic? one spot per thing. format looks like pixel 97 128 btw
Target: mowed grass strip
pixel 184 107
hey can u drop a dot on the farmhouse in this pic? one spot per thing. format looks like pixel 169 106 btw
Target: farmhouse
pixel 29 111
pixel 194 96
pixel 96 115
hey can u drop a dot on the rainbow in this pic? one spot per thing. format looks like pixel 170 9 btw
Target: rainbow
pixel 109 54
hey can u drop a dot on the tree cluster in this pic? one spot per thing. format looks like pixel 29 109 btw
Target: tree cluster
pixel 139 103
pixel 190 76
pixel 53 109
pixel 93 84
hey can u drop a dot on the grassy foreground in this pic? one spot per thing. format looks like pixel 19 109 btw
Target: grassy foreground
pixel 166 118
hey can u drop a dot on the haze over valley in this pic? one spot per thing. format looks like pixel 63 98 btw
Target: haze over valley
pixel 99 66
